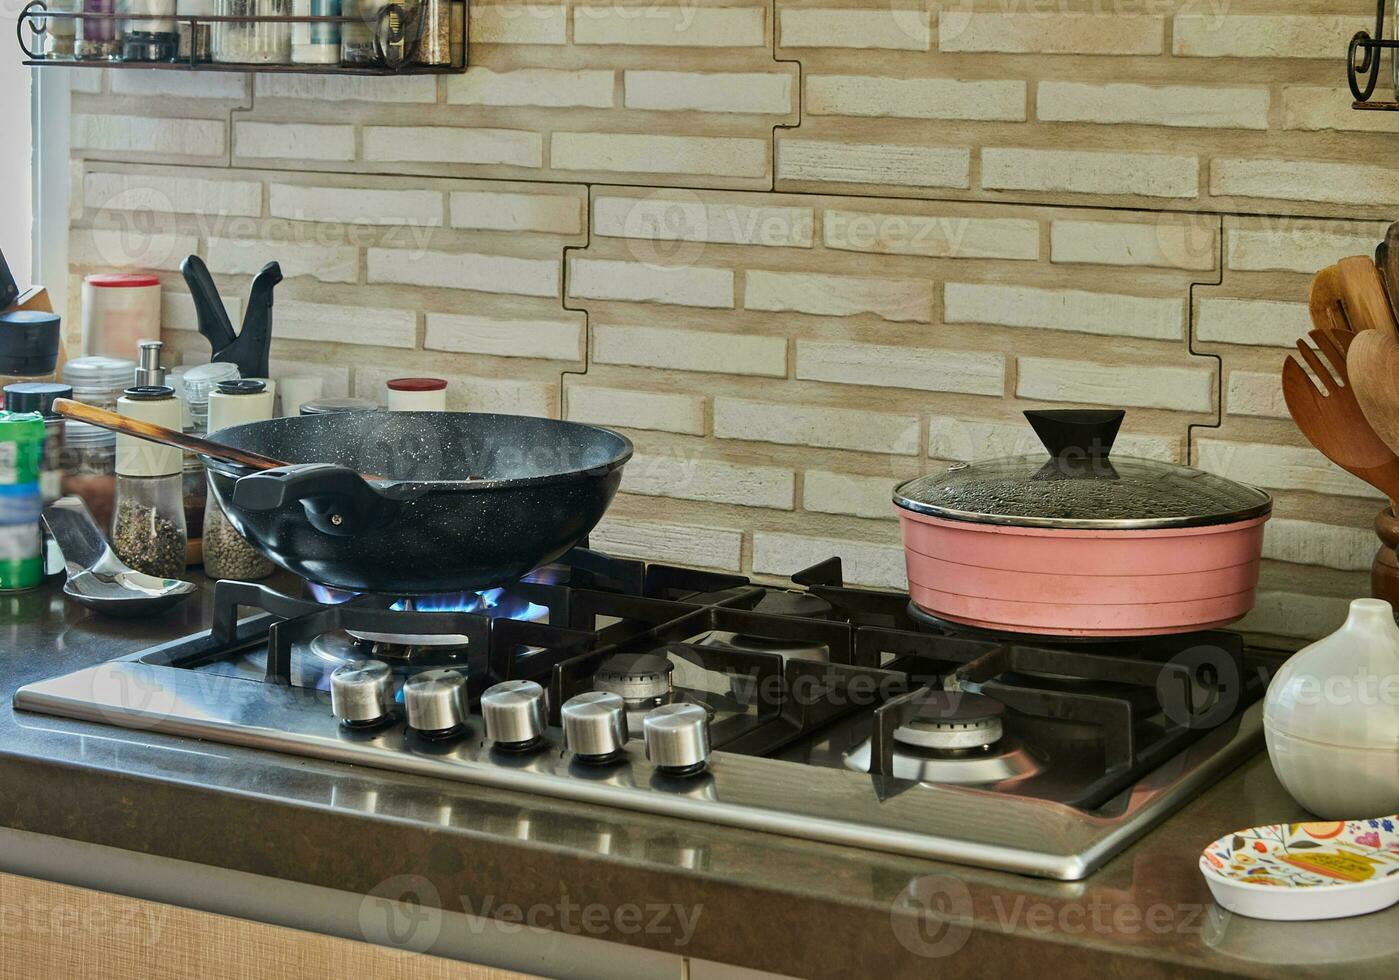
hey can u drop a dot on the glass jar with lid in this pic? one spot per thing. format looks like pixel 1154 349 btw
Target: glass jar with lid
pixel 148 529
pixel 90 468
pixel 227 554
pixel 99 380
pixel 198 383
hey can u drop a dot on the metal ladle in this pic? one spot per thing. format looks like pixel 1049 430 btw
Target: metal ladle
pixel 97 578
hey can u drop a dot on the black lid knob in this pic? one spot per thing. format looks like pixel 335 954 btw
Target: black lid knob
pixel 35 396
pixel 1077 433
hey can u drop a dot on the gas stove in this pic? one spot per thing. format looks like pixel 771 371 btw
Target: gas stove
pixel 810 709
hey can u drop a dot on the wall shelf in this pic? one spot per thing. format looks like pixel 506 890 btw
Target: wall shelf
pixel 36 16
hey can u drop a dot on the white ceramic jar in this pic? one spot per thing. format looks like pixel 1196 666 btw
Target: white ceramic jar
pixel 119 311
pixel 1331 718
pixel 416 394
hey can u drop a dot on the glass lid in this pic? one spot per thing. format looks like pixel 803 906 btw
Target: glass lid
pixel 1075 484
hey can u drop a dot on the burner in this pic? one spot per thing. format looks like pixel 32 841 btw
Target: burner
pixel 999 763
pixel 344 646
pixel 495 603
pixel 952 721
pixel 638 678
pixel 929 623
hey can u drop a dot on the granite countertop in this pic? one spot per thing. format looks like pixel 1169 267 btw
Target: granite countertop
pixel 764 901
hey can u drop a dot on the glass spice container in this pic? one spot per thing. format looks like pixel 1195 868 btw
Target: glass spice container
pixel 152 37
pixel 148 527
pixel 99 40
pixel 90 468
pixel 227 554
pixel 62 31
pixel 199 383
pixel 357 38
pixel 253 42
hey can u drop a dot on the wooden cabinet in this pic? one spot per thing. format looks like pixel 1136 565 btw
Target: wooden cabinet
pixel 50 930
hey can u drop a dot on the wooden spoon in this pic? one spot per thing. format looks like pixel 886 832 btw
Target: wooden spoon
pixel 1387 261
pixel 1362 290
pixel 1333 421
pixel 1328 308
pixel 104 419
pixel 1373 365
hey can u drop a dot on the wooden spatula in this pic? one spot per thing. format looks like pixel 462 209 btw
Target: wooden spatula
pixel 1387 261
pixel 1327 306
pixel 1333 422
pixel 1372 363
pixel 1362 291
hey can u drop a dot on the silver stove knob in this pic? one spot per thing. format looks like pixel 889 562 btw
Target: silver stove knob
pixel 436 702
pixel 361 693
pixel 514 714
pixel 677 738
pixel 595 726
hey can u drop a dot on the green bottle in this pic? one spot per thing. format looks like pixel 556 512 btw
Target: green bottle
pixel 21 551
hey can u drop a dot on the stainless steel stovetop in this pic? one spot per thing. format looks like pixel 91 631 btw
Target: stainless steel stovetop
pixel 820 711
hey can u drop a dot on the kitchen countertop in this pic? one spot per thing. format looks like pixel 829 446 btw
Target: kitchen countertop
pixel 763 901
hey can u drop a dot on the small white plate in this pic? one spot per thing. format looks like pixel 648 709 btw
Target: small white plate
pixel 1295 871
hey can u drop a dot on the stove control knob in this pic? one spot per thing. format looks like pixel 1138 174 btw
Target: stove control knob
pixel 595 726
pixel 436 702
pixel 677 738
pixel 361 693
pixel 514 714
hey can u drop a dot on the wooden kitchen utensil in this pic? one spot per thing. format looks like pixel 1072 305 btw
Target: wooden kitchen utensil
pixel 1328 308
pixel 1372 363
pixel 1333 422
pixel 1387 261
pixel 1362 291
pixel 158 433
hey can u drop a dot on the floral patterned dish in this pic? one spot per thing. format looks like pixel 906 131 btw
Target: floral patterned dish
pixel 1293 871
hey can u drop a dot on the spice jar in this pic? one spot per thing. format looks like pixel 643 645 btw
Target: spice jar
pixel 90 468
pixel 199 383
pixel 39 397
pixel 253 41
pixel 417 395
pixel 226 553
pixel 148 528
pixel 357 36
pixel 62 31
pixel 319 43
pixel 99 380
pixel 98 40
pixel 28 346
pixel 21 447
pixel 156 39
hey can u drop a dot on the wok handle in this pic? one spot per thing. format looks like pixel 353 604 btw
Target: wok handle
pixel 337 500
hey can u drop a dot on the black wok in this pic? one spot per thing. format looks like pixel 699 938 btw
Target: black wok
pixel 468 501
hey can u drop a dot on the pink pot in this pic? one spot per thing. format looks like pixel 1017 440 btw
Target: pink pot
pixel 1082 583
pixel 1073 544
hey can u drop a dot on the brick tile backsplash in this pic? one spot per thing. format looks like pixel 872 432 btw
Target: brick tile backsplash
pixel 968 372
pixel 799 250
pixel 801 292
pixel 880 28
pixel 1072 171
pixel 1057 309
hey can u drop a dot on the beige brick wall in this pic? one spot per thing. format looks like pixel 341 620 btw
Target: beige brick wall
pixel 797 249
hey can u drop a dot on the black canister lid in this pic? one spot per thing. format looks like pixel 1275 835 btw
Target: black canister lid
pixel 28 342
pixel 149 393
pixel 35 396
pixel 242 386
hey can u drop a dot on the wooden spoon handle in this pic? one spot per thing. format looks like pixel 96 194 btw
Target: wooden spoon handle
pixel 104 419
